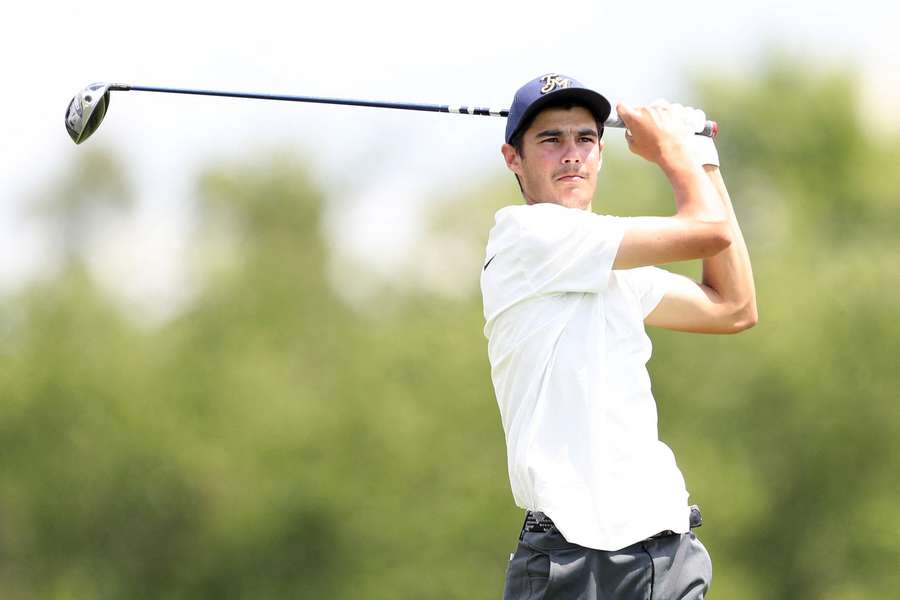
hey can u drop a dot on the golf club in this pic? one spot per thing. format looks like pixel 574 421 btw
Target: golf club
pixel 89 106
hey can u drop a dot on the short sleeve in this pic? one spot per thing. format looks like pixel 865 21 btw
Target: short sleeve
pixel 567 249
pixel 650 284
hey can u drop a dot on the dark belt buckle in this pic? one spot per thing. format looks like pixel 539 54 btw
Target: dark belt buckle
pixel 696 517
pixel 696 520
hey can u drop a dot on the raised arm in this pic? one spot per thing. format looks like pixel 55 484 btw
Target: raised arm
pixel 700 227
pixel 704 226
pixel 725 301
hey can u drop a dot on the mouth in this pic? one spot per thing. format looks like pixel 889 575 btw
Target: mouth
pixel 571 177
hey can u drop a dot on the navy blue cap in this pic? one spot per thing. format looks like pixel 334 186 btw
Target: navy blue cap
pixel 537 93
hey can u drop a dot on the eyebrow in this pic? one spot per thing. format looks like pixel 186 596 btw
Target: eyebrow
pixel 558 133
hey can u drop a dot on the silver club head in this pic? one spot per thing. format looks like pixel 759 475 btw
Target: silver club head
pixel 86 111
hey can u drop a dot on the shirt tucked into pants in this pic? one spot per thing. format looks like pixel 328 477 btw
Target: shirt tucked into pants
pixel 547 567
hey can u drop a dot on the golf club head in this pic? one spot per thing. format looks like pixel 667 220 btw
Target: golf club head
pixel 86 111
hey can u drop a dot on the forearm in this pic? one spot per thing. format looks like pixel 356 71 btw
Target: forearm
pixel 729 272
pixel 696 196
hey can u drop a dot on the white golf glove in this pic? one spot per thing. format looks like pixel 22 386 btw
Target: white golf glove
pixel 702 147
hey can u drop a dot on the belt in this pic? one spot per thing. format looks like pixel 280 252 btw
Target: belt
pixel 538 522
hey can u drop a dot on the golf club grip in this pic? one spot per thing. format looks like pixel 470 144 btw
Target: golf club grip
pixel 711 129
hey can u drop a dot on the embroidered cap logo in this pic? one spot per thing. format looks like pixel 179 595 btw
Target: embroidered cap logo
pixel 552 81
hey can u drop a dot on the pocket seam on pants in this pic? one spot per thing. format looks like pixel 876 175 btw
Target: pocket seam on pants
pixel 538 580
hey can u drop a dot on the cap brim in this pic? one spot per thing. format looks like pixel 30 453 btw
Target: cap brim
pixel 596 103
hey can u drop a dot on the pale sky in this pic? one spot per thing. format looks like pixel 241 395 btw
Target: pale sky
pixel 376 164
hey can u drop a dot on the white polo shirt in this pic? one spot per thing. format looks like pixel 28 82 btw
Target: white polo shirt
pixel 568 355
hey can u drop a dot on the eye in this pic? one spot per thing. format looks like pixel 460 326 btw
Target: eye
pixel 550 139
pixel 588 140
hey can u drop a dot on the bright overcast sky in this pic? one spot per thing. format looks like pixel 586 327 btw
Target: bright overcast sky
pixel 457 53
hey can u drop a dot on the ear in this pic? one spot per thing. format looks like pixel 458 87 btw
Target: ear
pixel 602 145
pixel 512 158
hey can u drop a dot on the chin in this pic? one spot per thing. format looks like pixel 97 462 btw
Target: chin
pixel 575 196
pixel 575 201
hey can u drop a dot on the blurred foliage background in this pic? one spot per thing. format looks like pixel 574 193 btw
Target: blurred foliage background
pixel 274 441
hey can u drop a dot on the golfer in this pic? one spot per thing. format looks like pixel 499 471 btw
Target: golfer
pixel 567 294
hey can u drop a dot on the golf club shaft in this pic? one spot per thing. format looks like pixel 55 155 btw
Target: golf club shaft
pixel 710 130
pixel 463 110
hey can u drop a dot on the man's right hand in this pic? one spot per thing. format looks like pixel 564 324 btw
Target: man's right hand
pixel 659 132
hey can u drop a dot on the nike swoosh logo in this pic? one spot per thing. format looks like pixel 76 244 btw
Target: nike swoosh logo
pixel 488 262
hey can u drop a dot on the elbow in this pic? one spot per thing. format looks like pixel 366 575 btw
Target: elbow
pixel 718 237
pixel 745 319
pixel 722 238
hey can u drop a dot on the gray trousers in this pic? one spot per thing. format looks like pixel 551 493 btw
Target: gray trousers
pixel 547 567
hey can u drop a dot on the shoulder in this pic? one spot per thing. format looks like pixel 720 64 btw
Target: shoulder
pixel 549 220
pixel 523 214
pixel 533 214
pixel 513 223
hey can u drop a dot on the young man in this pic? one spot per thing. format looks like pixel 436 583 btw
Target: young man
pixel 567 293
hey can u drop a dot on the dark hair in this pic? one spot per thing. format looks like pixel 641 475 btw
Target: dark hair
pixel 517 141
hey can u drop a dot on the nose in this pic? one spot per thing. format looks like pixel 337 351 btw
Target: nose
pixel 571 155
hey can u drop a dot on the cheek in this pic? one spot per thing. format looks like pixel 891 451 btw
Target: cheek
pixel 596 158
pixel 539 165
